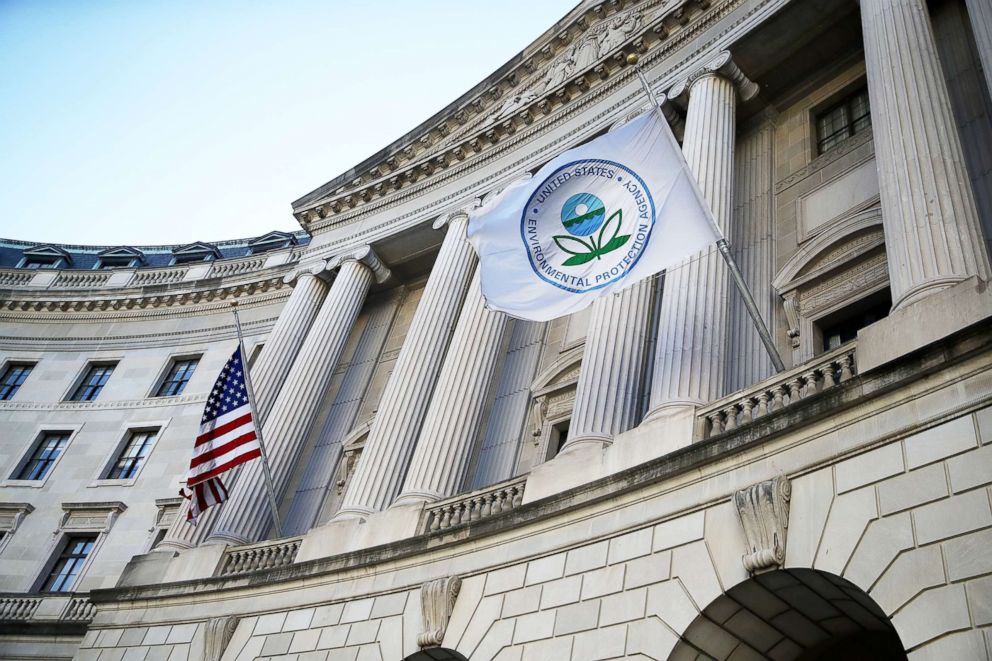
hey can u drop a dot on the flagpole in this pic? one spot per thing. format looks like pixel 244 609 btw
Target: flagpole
pixel 258 424
pixel 724 248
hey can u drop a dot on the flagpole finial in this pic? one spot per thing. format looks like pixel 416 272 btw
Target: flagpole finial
pixel 632 59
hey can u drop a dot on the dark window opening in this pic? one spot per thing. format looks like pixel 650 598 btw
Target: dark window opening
pixel 559 436
pixel 843 325
pixel 44 456
pixel 133 455
pixel 66 569
pixel 13 378
pixel 842 120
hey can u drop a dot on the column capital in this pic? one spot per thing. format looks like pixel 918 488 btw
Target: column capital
pixel 318 269
pixel 457 214
pixel 364 255
pixel 722 65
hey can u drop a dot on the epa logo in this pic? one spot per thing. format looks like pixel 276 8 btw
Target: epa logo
pixel 607 214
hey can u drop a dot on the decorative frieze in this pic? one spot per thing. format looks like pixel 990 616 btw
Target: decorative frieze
pixel 437 601
pixel 763 509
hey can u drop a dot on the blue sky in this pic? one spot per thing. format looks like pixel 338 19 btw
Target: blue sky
pixel 143 122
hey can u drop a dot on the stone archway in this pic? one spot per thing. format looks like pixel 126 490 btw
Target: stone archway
pixel 791 615
pixel 436 654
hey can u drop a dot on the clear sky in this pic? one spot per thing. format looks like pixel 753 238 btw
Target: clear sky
pixel 168 121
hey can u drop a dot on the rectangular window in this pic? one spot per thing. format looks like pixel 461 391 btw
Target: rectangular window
pixel 70 562
pixel 177 378
pixel 133 455
pixel 842 120
pixel 12 379
pixel 44 456
pixel 93 381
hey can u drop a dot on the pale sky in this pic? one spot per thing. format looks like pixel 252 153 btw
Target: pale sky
pixel 167 121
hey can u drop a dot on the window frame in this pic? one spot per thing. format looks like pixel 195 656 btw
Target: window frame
pixel 54 558
pixel 843 99
pixel 9 365
pixel 22 458
pixel 102 476
pixel 163 376
pixel 77 383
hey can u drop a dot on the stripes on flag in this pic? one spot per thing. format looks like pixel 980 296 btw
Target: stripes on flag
pixel 227 438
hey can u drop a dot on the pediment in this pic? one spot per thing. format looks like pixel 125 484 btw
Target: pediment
pixel 563 373
pixel 46 250
pixel 121 252
pixel 196 248
pixel 272 241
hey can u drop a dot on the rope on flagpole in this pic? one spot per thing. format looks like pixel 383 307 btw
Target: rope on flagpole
pixel 258 425
pixel 724 248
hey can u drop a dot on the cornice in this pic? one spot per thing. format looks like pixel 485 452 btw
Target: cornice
pixel 608 114
pixel 156 402
pixel 435 150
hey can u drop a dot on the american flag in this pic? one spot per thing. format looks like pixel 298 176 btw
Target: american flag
pixel 227 438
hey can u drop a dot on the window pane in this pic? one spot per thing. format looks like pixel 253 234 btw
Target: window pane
pixel 91 385
pixel 66 569
pixel 177 378
pixel 843 120
pixel 12 379
pixel 44 456
pixel 133 455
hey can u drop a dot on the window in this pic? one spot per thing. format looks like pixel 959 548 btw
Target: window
pixel 559 436
pixel 12 379
pixel 842 120
pixel 93 381
pixel 70 562
pixel 133 455
pixel 178 376
pixel 117 262
pixel 843 325
pixel 44 456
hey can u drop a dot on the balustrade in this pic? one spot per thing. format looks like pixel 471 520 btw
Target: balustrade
pixel 474 506
pixel 822 373
pixel 244 559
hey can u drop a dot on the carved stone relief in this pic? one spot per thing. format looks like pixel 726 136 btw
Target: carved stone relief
pixel 437 601
pixel 763 509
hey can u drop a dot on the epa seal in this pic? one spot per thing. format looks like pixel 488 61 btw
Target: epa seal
pixel 586 225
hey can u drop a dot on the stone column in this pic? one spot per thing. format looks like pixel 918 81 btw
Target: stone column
pixel 269 370
pixel 980 14
pixel 692 324
pixel 608 396
pixel 246 518
pixel 444 449
pixel 932 235
pixel 380 471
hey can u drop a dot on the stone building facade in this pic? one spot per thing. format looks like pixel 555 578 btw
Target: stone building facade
pixel 634 481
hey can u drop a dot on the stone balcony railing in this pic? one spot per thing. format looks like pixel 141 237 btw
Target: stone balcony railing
pixel 38 609
pixel 741 408
pixel 475 505
pixel 255 557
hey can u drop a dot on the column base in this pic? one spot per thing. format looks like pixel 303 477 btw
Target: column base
pixel 597 440
pixel 225 538
pixel 416 498
pixel 924 289
pixel 672 407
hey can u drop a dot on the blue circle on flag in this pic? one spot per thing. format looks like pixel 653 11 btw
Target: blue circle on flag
pixel 582 214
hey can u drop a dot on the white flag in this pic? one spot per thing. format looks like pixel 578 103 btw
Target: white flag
pixel 593 221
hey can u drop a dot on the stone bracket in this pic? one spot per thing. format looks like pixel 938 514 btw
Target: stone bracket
pixel 763 509
pixel 437 601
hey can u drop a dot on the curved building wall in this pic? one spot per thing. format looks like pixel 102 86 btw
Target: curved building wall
pixel 832 508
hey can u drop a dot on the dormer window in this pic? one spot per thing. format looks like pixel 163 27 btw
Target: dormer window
pixel 45 257
pixel 271 241
pixel 120 258
pixel 195 252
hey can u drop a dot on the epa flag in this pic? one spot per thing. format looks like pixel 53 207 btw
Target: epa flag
pixel 227 438
pixel 594 220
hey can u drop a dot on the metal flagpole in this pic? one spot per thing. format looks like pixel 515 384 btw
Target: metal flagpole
pixel 724 248
pixel 258 424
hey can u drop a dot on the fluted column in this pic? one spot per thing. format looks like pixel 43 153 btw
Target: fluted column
pixel 608 396
pixel 245 517
pixel 270 370
pixel 380 470
pixel 932 233
pixel 980 15
pixel 451 426
pixel 692 323
pixel 322 463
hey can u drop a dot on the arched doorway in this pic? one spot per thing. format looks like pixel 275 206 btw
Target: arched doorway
pixel 791 615
pixel 436 654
